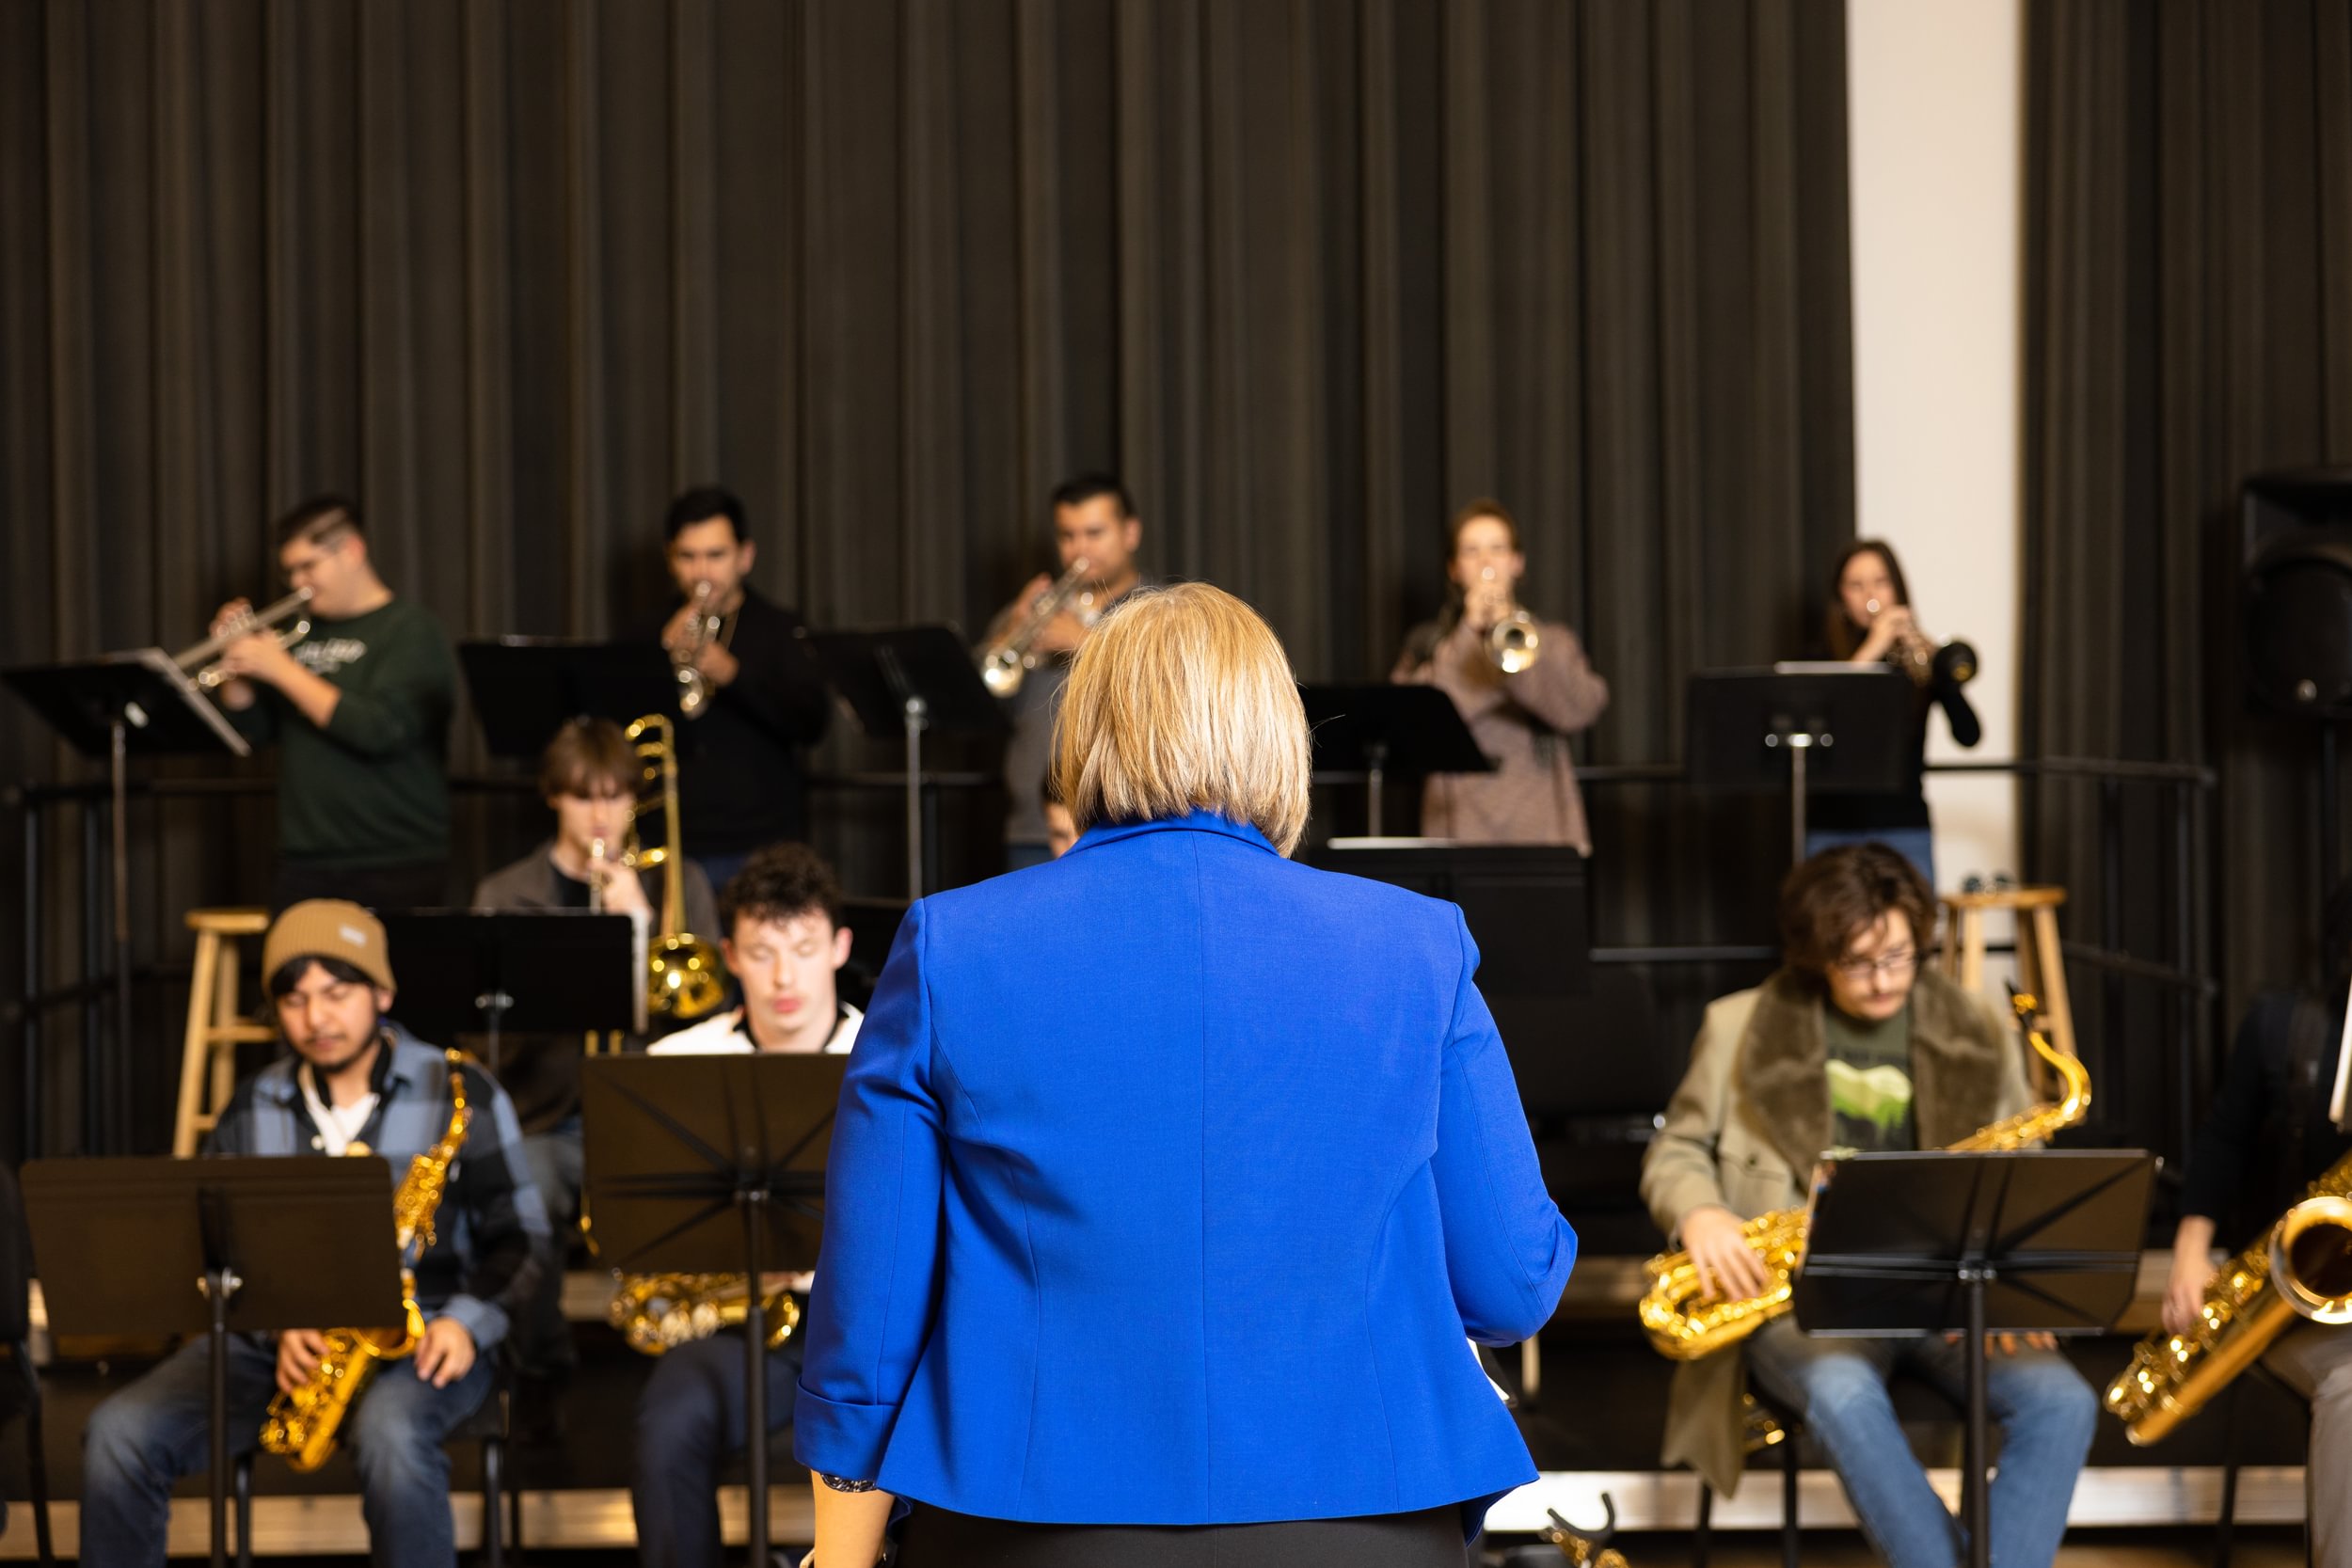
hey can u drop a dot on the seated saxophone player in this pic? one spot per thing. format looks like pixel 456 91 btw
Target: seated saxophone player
pixel 588 776
pixel 2279 1123
pixel 1854 1043
pixel 352 1076
pixel 1520 702
pixel 1094 522
pixel 785 944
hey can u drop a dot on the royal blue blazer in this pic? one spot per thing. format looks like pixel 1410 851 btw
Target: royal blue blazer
pixel 1168 1180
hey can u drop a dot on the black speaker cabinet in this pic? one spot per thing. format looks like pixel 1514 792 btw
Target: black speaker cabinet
pixel 2296 581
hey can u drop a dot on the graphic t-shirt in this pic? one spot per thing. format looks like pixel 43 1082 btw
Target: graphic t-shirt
pixel 1869 1081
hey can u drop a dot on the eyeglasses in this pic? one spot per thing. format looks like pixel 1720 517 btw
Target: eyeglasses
pixel 1885 963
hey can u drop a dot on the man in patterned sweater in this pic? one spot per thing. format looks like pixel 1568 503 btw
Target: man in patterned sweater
pixel 353 1078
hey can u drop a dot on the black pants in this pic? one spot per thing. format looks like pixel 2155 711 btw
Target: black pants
pixel 382 888
pixel 1429 1539
pixel 690 1423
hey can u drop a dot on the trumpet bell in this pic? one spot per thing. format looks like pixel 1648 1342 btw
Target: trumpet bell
pixel 1001 671
pixel 1515 643
pixel 686 979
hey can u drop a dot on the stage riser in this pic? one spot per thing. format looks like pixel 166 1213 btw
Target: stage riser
pixel 1646 1500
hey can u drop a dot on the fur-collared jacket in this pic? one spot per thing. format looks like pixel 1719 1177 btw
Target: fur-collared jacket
pixel 1751 1119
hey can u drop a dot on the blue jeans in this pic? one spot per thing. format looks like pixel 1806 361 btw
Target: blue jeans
pixel 2044 1408
pixel 1915 844
pixel 159 1429
pixel 689 1422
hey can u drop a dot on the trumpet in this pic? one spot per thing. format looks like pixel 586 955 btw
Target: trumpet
pixel 1004 666
pixel 1513 642
pixel 201 658
pixel 693 698
pixel 1950 664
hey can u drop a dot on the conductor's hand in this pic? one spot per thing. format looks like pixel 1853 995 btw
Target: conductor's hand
pixel 445 1354
pixel 299 1351
pixel 1728 1267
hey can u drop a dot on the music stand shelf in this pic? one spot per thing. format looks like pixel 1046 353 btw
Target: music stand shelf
pixel 1372 729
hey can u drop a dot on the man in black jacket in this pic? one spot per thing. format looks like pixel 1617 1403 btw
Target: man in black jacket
pixel 2277 1126
pixel 740 782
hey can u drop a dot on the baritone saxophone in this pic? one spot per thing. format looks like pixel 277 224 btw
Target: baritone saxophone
pixel 1685 1325
pixel 2300 1267
pixel 302 1425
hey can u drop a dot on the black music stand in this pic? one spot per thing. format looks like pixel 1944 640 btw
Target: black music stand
pixel 111 706
pixel 1525 903
pixel 548 971
pixel 900 682
pixel 524 686
pixel 1370 728
pixel 269 1244
pixel 1808 728
pixel 712 1165
pixel 2019 1241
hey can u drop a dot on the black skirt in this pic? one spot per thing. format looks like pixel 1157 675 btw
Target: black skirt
pixel 1432 1538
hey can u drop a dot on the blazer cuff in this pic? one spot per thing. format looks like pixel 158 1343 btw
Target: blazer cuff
pixel 839 1439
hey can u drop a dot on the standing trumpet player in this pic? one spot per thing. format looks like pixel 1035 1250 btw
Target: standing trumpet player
pixel 1523 687
pixel 1094 523
pixel 1870 622
pixel 359 710
pixel 750 691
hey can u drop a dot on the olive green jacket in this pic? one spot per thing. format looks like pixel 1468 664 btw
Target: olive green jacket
pixel 1749 1120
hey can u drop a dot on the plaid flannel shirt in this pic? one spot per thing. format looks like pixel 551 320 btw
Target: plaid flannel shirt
pixel 491 1231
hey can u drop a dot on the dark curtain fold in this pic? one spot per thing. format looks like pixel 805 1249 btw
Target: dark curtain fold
pixel 2189 285
pixel 1307 274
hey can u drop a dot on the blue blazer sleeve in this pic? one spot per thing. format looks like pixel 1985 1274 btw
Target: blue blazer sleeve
pixel 1507 1249
pixel 877 1270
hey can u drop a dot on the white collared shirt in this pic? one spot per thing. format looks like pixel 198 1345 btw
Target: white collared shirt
pixel 725 1034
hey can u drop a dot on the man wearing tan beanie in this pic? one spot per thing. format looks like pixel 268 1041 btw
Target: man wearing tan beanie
pixel 353 1083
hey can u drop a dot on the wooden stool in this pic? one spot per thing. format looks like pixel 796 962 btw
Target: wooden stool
pixel 208 1056
pixel 2040 960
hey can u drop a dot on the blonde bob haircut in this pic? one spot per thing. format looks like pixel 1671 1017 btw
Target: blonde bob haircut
pixel 1182 700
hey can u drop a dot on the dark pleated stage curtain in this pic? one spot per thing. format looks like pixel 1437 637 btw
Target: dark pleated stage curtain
pixel 1307 274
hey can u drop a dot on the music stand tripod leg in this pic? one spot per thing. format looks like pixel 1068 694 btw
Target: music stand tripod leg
pixel 1975 1496
pixel 753 1202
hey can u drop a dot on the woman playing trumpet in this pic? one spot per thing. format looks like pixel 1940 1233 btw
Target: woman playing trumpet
pixel 1870 622
pixel 1523 687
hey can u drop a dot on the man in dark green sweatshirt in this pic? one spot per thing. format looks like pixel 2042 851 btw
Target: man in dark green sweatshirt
pixel 359 709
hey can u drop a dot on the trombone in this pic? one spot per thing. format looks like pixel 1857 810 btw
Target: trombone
pixel 202 658
pixel 683 979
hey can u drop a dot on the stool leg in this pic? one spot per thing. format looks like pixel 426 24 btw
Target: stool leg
pixel 195 1057
pixel 243 1479
pixel 36 1457
pixel 1700 1532
pixel 224 1054
pixel 2052 979
pixel 1972 949
pixel 493 1501
pixel 2225 1524
pixel 1788 1502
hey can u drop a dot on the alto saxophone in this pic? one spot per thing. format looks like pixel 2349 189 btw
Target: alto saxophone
pixel 658 1312
pixel 2302 1265
pixel 302 1425
pixel 1685 1324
